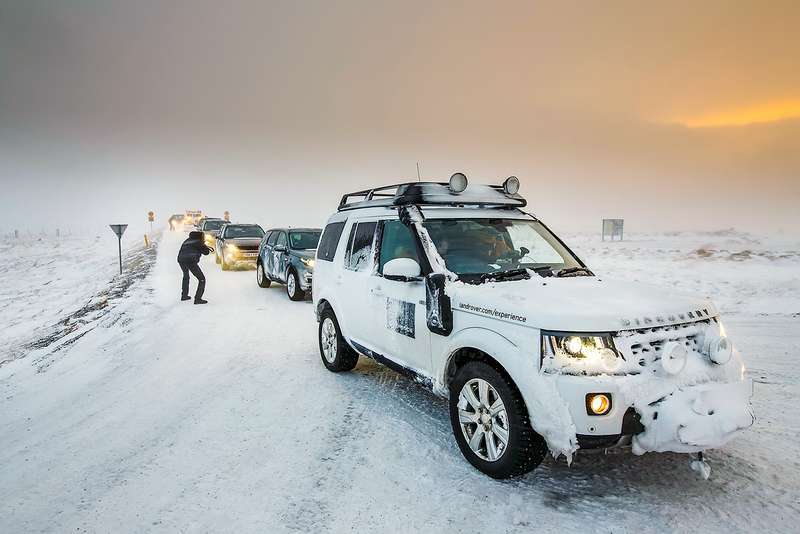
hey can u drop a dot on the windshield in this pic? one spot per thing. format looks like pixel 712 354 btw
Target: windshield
pixel 480 246
pixel 304 240
pixel 244 231
pixel 213 225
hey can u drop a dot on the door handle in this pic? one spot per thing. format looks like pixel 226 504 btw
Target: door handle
pixel 338 280
pixel 377 291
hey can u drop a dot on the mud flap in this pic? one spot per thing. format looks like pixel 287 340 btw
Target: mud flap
pixel 439 311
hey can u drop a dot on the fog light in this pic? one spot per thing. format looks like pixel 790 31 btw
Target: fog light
pixel 598 403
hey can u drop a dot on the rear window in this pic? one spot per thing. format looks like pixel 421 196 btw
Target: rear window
pixel 330 240
pixel 359 251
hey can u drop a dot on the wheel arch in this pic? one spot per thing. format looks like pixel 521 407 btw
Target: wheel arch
pixel 484 345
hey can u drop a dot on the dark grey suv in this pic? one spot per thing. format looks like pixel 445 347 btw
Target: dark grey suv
pixel 286 255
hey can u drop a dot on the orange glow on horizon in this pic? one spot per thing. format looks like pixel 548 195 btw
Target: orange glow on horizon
pixel 767 112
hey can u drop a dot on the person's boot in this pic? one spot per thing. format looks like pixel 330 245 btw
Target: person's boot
pixel 186 297
pixel 200 301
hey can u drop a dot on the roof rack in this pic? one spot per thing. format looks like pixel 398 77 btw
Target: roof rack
pixel 431 194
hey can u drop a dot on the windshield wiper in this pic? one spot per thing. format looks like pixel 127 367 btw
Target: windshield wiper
pixel 574 271
pixel 504 275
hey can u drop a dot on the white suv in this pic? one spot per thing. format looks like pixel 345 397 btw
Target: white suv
pixel 460 288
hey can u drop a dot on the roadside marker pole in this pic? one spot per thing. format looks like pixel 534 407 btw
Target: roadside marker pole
pixel 119 229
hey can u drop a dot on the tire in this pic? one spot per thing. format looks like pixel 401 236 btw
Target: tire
pixel 293 286
pixel 523 450
pixel 261 277
pixel 225 266
pixel 336 354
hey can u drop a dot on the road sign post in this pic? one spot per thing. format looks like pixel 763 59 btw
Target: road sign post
pixel 151 217
pixel 119 229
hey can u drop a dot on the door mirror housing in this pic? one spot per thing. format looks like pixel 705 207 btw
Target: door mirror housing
pixel 439 310
pixel 402 270
pixel 279 248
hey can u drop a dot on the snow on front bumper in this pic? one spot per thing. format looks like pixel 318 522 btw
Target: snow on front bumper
pixel 660 414
pixel 695 418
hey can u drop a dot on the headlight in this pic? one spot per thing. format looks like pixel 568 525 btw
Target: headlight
pixel 308 262
pixel 580 354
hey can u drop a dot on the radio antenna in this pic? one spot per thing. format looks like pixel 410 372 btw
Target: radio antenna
pixel 419 177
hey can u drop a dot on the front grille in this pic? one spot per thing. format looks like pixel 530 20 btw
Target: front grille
pixel 645 344
pixel 248 248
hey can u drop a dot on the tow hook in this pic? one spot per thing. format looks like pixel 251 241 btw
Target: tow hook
pixel 700 466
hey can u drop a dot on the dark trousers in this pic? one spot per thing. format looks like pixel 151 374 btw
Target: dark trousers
pixel 201 279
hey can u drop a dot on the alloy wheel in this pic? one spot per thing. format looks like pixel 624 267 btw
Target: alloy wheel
pixel 290 285
pixel 329 341
pixel 483 419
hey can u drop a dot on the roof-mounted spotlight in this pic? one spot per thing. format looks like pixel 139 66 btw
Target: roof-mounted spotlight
pixel 511 185
pixel 458 182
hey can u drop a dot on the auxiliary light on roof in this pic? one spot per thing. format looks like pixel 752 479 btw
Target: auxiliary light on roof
pixel 511 185
pixel 458 182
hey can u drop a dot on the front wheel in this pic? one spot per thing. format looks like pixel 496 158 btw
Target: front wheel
pixel 491 423
pixel 261 277
pixel 293 287
pixel 336 354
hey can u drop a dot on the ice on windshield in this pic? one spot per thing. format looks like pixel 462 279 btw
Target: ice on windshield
pixel 477 246
pixel 304 240
pixel 243 231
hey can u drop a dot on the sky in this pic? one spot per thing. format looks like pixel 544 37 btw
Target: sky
pixel 676 116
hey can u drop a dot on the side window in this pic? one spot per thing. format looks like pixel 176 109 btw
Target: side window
pixel 359 250
pixel 281 242
pixel 397 242
pixel 272 237
pixel 329 241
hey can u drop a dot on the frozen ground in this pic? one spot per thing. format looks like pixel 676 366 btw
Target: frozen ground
pixel 148 414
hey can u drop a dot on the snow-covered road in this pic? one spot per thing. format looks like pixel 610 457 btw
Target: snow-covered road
pixel 221 418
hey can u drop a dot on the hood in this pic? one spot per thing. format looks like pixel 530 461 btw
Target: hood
pixel 244 240
pixel 580 304
pixel 305 254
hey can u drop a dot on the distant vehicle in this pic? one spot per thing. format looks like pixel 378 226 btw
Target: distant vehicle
pixel 192 217
pixel 286 255
pixel 461 288
pixel 210 226
pixel 238 243
pixel 176 221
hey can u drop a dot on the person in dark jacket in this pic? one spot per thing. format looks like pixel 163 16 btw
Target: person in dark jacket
pixel 189 260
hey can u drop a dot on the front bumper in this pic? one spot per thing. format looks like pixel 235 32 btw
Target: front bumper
pixel 306 280
pixel 687 419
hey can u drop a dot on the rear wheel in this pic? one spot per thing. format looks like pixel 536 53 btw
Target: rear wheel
pixel 336 354
pixel 261 277
pixel 491 423
pixel 293 286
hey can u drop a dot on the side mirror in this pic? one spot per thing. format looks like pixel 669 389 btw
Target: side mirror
pixel 402 270
pixel 280 248
pixel 525 251
pixel 438 307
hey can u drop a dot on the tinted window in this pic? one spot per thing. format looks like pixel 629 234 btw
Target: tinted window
pixel 329 241
pixel 360 248
pixel 243 231
pixel 213 225
pixel 273 236
pixel 397 242
pixel 304 240
pixel 281 242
